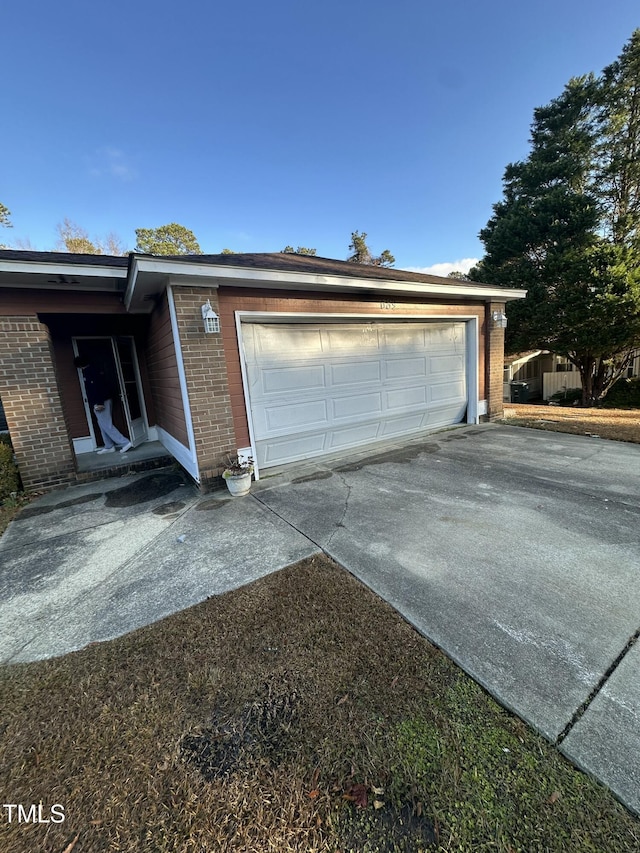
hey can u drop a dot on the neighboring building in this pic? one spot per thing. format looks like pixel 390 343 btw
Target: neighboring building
pixel 547 374
pixel 313 356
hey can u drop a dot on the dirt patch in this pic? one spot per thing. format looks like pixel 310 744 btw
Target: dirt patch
pixel 236 741
pixel 615 424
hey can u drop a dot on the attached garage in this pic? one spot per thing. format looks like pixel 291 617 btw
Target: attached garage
pixel 299 357
pixel 320 387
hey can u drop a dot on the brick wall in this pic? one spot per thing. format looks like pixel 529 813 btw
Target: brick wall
pixel 207 384
pixel 494 362
pixel 31 398
pixel 164 377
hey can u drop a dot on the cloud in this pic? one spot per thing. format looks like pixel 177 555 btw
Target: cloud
pixel 111 163
pixel 463 265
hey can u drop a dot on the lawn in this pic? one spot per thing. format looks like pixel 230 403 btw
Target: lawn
pixel 616 424
pixel 299 713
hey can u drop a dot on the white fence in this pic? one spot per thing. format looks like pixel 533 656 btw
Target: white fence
pixel 563 381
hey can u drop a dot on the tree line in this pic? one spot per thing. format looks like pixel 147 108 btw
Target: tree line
pixel 176 239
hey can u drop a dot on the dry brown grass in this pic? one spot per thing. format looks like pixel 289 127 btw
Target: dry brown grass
pixel 241 724
pixel 616 424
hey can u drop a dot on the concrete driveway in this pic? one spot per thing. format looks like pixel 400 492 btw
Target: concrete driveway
pixel 516 551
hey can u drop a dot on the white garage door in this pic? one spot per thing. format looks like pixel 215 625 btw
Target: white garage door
pixel 320 388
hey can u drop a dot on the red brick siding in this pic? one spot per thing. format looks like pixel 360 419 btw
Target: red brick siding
pixel 28 302
pixel 207 383
pixel 240 299
pixel 164 379
pixel 495 363
pixel 70 390
pixel 31 399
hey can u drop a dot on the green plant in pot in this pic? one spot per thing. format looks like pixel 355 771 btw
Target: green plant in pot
pixel 237 474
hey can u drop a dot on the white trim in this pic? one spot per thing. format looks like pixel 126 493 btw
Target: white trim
pixel 123 391
pixel 472 352
pixel 121 384
pixel 83 445
pixel 152 434
pixel 193 459
pixel 309 317
pixel 180 453
pixel 245 388
pixel 482 407
pixel 85 402
pixel 58 268
pixel 471 346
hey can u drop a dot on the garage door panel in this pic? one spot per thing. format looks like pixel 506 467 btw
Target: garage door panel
pixel 293 379
pixel 269 341
pixel 353 436
pixel 451 390
pixel 444 334
pixel 355 372
pixel 406 398
pixel 407 338
pixel 311 415
pixel 403 426
pixel 438 416
pixel 355 406
pixel 349 337
pixel 291 448
pixel 319 388
pixel 446 364
pixel 405 368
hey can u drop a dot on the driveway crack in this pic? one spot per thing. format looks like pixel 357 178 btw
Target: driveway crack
pixel 340 523
pixel 582 709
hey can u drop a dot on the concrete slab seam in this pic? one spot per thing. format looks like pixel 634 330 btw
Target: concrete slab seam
pixel 289 524
pixel 582 709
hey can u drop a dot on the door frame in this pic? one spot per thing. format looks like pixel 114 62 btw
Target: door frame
pixel 471 361
pixel 121 389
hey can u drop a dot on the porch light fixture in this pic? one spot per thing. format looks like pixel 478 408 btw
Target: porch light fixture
pixel 210 319
pixel 499 320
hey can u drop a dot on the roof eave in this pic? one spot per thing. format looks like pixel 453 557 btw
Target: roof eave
pixel 285 280
pixel 56 268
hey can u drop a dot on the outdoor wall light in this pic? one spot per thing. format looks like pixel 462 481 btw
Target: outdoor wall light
pixel 499 319
pixel 210 319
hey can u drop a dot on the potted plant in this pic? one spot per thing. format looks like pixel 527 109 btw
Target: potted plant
pixel 237 474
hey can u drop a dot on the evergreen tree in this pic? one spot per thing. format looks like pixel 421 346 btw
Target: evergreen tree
pixel 567 228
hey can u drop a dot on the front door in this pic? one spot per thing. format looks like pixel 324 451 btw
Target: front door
pixel 118 357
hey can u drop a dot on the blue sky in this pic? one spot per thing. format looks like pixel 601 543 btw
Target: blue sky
pixel 259 125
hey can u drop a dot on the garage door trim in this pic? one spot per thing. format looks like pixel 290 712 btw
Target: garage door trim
pixel 288 317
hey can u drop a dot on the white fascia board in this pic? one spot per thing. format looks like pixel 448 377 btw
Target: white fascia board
pixel 73 270
pixel 279 279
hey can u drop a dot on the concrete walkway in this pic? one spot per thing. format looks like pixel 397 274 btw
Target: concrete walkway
pixel 517 551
